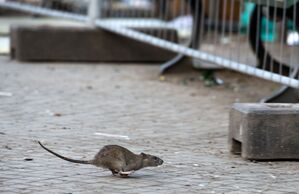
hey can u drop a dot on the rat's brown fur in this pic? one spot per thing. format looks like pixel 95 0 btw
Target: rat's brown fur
pixel 117 159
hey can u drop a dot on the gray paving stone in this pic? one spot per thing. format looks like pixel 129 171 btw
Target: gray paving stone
pixel 160 117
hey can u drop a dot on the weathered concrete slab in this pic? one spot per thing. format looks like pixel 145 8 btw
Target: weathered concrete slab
pixel 44 43
pixel 264 131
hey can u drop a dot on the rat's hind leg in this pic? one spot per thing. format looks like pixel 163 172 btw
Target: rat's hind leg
pixel 115 167
pixel 114 173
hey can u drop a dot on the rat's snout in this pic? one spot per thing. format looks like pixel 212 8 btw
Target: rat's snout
pixel 161 162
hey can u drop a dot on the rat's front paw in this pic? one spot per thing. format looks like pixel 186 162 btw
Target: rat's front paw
pixel 125 174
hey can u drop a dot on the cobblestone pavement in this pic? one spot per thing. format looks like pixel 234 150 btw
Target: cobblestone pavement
pixel 180 120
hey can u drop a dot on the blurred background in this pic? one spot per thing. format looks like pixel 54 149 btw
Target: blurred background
pixel 257 37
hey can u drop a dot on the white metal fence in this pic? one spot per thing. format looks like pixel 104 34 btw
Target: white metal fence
pixel 257 37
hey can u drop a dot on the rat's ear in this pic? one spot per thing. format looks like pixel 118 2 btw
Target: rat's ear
pixel 143 154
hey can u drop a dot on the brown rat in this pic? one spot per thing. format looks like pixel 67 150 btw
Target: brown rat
pixel 117 159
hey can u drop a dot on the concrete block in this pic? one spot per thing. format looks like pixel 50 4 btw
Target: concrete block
pixel 264 131
pixel 44 43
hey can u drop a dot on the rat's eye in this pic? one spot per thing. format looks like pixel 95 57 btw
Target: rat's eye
pixel 155 158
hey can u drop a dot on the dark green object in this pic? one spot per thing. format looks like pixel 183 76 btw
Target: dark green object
pixel 209 78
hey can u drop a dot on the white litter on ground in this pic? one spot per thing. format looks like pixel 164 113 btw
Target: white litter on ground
pixel 113 135
pixel 8 94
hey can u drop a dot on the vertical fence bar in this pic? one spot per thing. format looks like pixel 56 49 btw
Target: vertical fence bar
pixel 94 10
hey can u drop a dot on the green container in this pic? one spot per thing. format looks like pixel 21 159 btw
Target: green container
pixel 266 35
pixel 276 3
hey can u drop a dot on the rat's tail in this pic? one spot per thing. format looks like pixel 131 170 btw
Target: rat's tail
pixel 64 158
